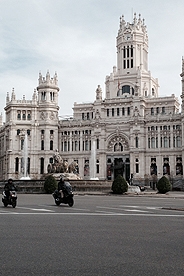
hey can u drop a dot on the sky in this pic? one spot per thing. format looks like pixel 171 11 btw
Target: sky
pixel 77 39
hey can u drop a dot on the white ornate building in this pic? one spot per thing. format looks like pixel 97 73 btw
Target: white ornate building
pixel 136 132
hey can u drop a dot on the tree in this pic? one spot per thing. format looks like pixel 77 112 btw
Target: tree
pixel 163 185
pixel 50 184
pixel 119 185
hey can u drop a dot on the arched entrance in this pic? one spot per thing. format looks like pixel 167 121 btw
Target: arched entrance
pixel 118 159
pixel 118 165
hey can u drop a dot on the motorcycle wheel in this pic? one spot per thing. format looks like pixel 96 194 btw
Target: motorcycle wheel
pixel 5 204
pixel 70 202
pixel 57 202
pixel 14 204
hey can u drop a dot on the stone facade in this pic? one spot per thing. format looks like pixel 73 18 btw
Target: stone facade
pixel 136 133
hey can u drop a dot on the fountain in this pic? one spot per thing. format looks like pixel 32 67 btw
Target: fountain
pixel 92 162
pixel 25 160
pixel 62 168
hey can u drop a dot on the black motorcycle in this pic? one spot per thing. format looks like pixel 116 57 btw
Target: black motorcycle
pixel 11 200
pixel 67 195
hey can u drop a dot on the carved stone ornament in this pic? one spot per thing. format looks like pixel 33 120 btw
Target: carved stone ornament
pixel 116 140
pixel 42 115
pixel 52 115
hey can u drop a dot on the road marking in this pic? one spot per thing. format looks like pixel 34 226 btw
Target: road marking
pixel 35 209
pixel 77 209
pixel 97 214
pixel 126 210
pixel 151 208
pixel 135 210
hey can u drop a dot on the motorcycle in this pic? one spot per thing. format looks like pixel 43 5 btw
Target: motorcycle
pixel 11 200
pixel 67 195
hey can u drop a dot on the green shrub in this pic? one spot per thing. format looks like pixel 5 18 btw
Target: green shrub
pixel 163 185
pixel 119 185
pixel 50 184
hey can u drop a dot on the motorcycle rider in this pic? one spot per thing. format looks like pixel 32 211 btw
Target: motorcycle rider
pixel 61 184
pixel 9 187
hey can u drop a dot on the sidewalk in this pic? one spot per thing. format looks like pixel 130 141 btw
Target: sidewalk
pixel 148 192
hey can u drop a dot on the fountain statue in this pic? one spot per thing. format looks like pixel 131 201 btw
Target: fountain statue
pixel 92 162
pixel 61 167
pixel 25 160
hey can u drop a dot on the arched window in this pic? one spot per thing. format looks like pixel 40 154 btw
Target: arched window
pixel 126 89
pixel 165 142
pixel 51 160
pixel 178 141
pixel 86 145
pixel 152 142
pixel 118 147
pixel 65 145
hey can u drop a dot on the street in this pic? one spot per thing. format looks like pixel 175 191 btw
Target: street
pixel 99 235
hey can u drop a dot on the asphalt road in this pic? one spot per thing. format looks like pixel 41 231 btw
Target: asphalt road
pixel 99 235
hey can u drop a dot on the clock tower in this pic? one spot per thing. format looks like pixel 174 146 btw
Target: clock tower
pixel 131 75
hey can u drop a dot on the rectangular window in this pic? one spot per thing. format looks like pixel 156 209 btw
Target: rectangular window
pixel 24 116
pixel 128 62
pixel 156 142
pixel 149 143
pixel 124 63
pixel 124 52
pixel 42 144
pixel 107 112
pixel 137 168
pixel 29 116
pixel 132 52
pixel 128 51
pixel 97 143
pixel 123 111
pixel 163 110
pixel 51 145
pixel 136 142
pixel 112 112
pixel 117 111
pixel 128 111
pixel 132 63
pixel 42 165
pixel 18 115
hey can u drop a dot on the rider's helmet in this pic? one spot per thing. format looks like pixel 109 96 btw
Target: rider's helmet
pixel 10 180
pixel 62 179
